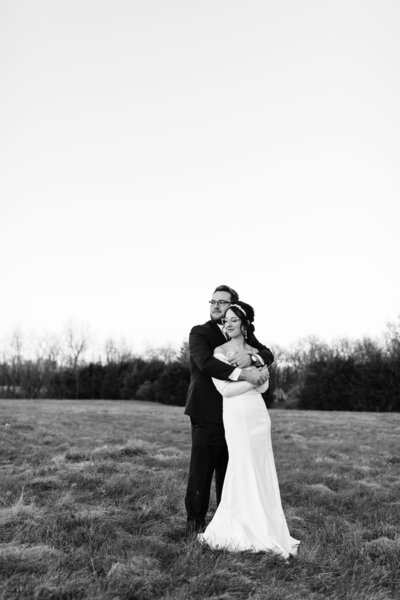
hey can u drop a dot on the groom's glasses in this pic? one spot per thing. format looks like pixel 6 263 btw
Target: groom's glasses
pixel 219 302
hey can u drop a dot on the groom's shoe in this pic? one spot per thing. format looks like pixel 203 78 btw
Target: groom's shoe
pixel 194 527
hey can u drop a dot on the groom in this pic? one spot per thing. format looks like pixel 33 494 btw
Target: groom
pixel 204 405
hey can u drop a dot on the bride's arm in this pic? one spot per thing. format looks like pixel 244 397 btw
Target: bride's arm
pixel 263 387
pixel 228 389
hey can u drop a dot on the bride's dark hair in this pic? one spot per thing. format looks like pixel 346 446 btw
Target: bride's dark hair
pixel 245 312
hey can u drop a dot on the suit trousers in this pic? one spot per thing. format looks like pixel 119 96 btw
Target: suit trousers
pixel 209 454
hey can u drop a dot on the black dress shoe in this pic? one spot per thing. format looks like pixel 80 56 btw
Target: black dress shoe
pixel 194 527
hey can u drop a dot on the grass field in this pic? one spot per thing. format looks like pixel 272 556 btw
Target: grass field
pixel 91 507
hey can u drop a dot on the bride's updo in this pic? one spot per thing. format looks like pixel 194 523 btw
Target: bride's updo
pixel 245 312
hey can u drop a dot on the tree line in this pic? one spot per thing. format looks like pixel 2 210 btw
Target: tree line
pixel 362 375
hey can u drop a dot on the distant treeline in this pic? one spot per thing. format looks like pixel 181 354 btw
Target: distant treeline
pixel 151 379
pixel 362 375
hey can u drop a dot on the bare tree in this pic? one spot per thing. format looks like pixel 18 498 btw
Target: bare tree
pixel 165 353
pixel 117 353
pixel 47 353
pixel 15 359
pixel 76 346
pixel 392 337
pixel 111 351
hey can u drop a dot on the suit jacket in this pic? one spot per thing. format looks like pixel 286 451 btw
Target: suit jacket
pixel 203 399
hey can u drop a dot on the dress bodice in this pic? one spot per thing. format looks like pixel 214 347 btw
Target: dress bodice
pixel 230 388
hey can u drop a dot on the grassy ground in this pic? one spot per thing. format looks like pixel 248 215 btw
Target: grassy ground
pixel 91 507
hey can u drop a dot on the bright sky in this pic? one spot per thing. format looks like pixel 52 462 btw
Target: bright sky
pixel 151 150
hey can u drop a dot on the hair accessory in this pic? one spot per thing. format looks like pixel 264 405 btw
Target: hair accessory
pixel 239 307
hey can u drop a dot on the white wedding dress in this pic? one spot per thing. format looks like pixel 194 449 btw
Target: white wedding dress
pixel 250 514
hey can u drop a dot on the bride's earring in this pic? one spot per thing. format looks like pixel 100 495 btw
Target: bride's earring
pixel 245 334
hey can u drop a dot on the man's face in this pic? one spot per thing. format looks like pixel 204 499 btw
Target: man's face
pixel 218 305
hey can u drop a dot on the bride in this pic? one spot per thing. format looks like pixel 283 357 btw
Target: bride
pixel 250 514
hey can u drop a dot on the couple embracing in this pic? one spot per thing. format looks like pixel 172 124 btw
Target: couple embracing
pixel 228 374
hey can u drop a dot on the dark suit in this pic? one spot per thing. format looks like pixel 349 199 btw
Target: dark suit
pixel 204 406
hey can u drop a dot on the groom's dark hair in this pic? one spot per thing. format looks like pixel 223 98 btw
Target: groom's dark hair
pixel 225 288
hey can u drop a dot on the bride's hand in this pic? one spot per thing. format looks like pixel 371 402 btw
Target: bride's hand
pixel 252 376
pixel 239 359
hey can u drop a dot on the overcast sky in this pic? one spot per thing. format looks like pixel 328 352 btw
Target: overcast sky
pixel 151 150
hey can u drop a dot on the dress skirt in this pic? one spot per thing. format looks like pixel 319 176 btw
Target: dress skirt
pixel 250 515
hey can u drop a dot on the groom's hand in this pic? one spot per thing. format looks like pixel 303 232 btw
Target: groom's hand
pixel 240 359
pixel 251 375
pixel 263 375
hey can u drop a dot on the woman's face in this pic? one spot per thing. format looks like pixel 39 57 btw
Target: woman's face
pixel 232 324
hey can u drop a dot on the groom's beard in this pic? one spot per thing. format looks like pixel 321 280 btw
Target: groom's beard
pixel 217 316
pixel 218 320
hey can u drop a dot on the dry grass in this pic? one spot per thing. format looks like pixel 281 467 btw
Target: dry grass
pixel 91 507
